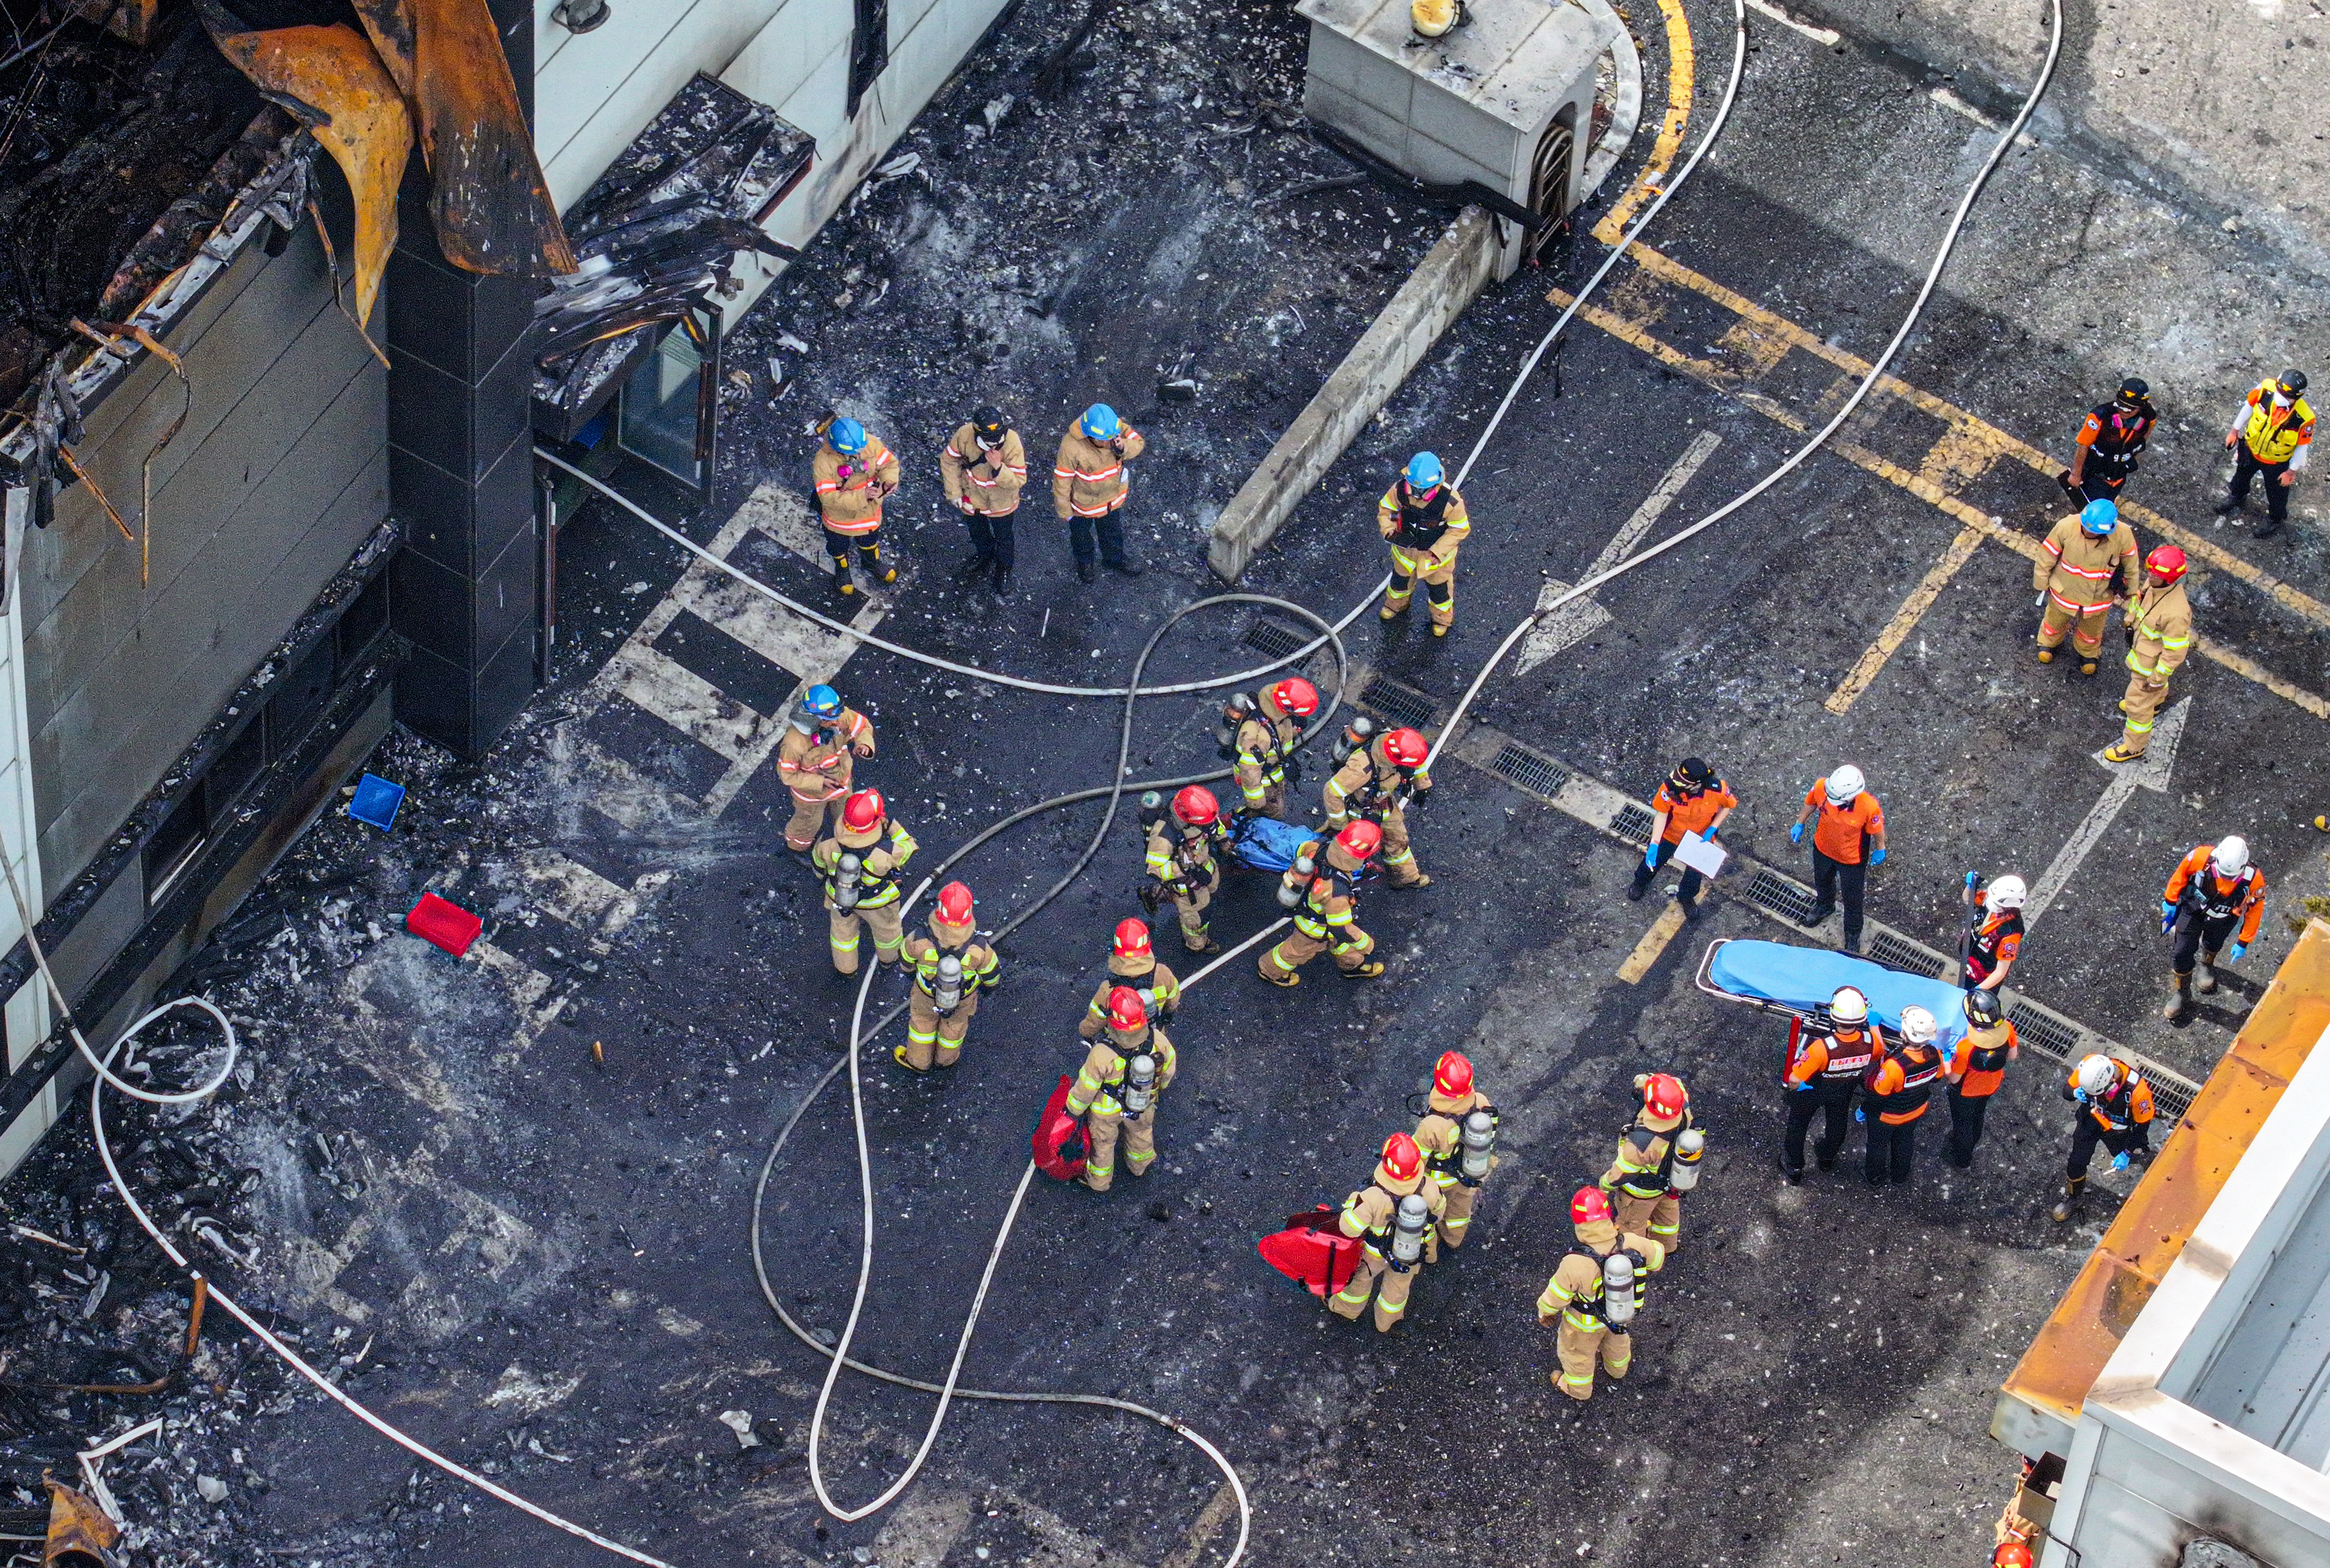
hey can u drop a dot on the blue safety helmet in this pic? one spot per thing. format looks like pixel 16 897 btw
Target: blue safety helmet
pixel 2099 517
pixel 1100 422
pixel 846 436
pixel 821 703
pixel 1424 471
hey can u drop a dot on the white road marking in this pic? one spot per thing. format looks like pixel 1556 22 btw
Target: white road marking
pixel 1956 105
pixel 1578 619
pixel 1826 36
pixel 690 703
pixel 2152 773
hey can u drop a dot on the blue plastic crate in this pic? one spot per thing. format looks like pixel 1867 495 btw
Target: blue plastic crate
pixel 376 802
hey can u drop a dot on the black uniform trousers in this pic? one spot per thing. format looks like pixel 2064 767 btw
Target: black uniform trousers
pixel 1829 878
pixel 1966 1112
pixel 868 547
pixel 991 537
pixel 2277 494
pixel 2100 481
pixel 1804 1104
pixel 1687 891
pixel 2195 935
pixel 1098 538
pixel 1892 1150
pixel 2090 1133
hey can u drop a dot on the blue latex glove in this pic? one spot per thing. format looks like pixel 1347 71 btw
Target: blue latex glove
pixel 2233 954
pixel 1651 856
pixel 1795 833
pixel 1876 857
pixel 2080 1095
pixel 2167 913
pixel 2120 1162
pixel 1972 877
pixel 1859 1114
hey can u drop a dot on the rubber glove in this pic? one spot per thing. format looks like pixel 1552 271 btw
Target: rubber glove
pixel 1795 833
pixel 1876 857
pixel 1651 856
pixel 1859 1114
pixel 2080 1095
pixel 2233 954
pixel 2120 1162
pixel 1973 880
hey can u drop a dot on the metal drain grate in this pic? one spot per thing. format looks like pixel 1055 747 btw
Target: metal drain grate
pixel 2041 1029
pixel 1632 825
pixel 1790 900
pixel 1897 954
pixel 2170 1100
pixel 1519 765
pixel 1398 703
pixel 1275 637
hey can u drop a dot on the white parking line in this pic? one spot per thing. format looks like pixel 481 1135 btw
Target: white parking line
pixel 1578 619
pixel 1826 36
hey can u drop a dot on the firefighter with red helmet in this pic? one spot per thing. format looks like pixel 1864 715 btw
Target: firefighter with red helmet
pixel 1596 1290
pixel 1323 885
pixel 1458 1135
pixel 950 966
pixel 1181 864
pixel 1392 1218
pixel 1658 1160
pixel 861 865
pixel 1131 961
pixel 1375 786
pixel 2159 638
pixel 1264 744
pixel 1117 1089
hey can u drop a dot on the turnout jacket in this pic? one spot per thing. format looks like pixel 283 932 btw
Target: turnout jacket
pixel 849 490
pixel 991 481
pixel 1101 1078
pixel 816 766
pixel 2159 629
pixel 1138 973
pixel 1089 478
pixel 2077 572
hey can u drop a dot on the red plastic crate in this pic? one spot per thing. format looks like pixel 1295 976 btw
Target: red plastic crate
pixel 449 925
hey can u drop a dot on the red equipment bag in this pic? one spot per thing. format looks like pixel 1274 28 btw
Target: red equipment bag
pixel 1312 1252
pixel 449 925
pixel 1061 1142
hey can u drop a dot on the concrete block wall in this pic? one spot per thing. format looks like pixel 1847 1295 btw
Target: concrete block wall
pixel 278 474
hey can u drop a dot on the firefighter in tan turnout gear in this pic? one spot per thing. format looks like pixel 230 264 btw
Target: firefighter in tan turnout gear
pixel 2088 564
pixel 950 966
pixel 1089 485
pixel 1594 1293
pixel 1323 885
pixel 861 864
pixel 1116 1090
pixel 1658 1161
pixel 1392 1218
pixel 2159 640
pixel 1376 784
pixel 1131 962
pixel 814 761
pixel 1423 519
pixel 1263 743
pixel 1458 1135
pixel 1181 865
pixel 983 468
pixel 853 474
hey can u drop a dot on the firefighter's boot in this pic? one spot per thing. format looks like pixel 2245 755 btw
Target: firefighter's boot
pixel 2204 979
pixel 2073 1201
pixel 2180 1000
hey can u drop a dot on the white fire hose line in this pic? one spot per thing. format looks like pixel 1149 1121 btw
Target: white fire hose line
pixel 838 1354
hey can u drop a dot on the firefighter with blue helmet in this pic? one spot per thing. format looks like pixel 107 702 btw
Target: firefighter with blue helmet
pixel 852 473
pixel 2087 563
pixel 1089 485
pixel 814 761
pixel 1423 519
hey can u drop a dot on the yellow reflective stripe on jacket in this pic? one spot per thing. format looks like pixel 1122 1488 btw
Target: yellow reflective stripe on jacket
pixel 1160 859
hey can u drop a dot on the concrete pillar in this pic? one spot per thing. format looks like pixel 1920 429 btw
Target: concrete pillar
pixel 461 466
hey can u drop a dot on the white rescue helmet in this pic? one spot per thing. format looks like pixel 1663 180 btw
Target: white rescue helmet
pixel 1918 1026
pixel 1848 1006
pixel 2007 893
pixel 1844 785
pixel 2231 856
pixel 2097 1072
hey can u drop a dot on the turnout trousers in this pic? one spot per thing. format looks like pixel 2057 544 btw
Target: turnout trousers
pixel 1138 1134
pixel 932 1040
pixel 1439 585
pixel 1579 1348
pixel 1391 1299
pixel 2086 629
pixel 1659 1218
pixel 884 921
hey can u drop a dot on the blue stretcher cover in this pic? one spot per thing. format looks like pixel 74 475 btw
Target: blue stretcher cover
pixel 1804 979
pixel 1266 844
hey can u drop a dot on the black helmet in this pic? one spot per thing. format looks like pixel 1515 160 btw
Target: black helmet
pixel 1692 774
pixel 1982 1007
pixel 2293 382
pixel 987 420
pixel 2135 390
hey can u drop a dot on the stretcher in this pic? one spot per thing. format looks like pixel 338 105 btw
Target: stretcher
pixel 1797 983
pixel 1266 844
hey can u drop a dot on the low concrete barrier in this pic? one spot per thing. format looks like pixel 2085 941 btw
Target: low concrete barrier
pixel 1449 278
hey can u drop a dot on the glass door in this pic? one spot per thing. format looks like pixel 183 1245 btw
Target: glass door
pixel 670 403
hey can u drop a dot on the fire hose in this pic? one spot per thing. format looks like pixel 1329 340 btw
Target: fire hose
pixel 838 1354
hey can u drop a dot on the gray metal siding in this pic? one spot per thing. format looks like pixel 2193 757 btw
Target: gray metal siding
pixel 279 474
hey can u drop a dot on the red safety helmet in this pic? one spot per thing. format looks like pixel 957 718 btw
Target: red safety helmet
pixel 2010 1554
pixel 955 904
pixel 1194 806
pixel 1401 1158
pixel 862 810
pixel 1362 839
pixel 1663 1095
pixel 1296 697
pixel 1453 1075
pixel 1124 1008
pixel 1590 1207
pixel 1407 748
pixel 1131 940
pixel 2165 562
